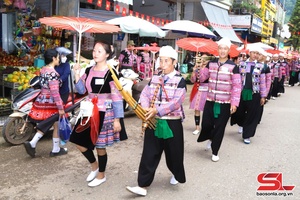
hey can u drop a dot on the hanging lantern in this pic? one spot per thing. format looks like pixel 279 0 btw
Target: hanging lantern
pixel 137 14
pixel 90 1
pixel 153 20
pixel 157 21
pixel 148 18
pixel 117 10
pixel 107 5
pixel 162 22
pixel 99 3
pixel 142 16
pixel 130 12
pixel 124 11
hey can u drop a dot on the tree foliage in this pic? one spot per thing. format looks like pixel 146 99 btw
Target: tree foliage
pixel 294 25
pixel 289 7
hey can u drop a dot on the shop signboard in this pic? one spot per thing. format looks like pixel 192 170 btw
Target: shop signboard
pixel 256 25
pixel 240 21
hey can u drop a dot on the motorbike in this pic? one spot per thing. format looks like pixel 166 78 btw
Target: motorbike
pixel 17 128
pixel 132 84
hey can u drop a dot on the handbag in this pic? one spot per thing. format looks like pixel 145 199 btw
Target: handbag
pixel 65 128
pixel 84 115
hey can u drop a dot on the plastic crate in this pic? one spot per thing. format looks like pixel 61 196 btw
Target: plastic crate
pixel 5 111
pixel 14 93
pixel 9 84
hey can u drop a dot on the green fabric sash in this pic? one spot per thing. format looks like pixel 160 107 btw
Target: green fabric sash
pixel 294 74
pixel 247 94
pixel 217 109
pixel 162 129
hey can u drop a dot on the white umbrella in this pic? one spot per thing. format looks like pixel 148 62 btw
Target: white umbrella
pixel 256 44
pixel 188 27
pixel 134 25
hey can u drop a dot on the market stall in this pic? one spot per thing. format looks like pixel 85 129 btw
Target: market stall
pixel 24 40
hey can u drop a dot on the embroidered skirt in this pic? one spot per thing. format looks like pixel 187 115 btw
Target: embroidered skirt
pixel 199 100
pixel 106 137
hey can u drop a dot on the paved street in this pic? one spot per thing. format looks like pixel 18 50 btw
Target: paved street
pixel 275 148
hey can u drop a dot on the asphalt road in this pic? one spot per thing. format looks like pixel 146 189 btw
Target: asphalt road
pixel 275 148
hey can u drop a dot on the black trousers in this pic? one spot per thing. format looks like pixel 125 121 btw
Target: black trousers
pixel 293 79
pixel 275 87
pixel 213 128
pixel 281 85
pixel 248 115
pixel 153 149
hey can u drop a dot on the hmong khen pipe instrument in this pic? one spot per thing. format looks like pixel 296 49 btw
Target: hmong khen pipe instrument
pixel 138 110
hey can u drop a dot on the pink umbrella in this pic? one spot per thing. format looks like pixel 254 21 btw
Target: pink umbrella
pixel 80 25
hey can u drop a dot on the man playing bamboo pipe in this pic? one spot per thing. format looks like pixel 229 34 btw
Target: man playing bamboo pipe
pixel 162 98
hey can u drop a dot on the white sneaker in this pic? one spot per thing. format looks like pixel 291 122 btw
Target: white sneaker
pixel 137 190
pixel 173 181
pixel 208 145
pixel 196 132
pixel 92 175
pixel 274 98
pixel 97 182
pixel 215 158
pixel 247 141
pixel 240 131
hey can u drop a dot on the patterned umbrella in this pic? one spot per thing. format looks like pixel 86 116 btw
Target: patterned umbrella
pixel 135 25
pixel 198 45
pixel 80 25
pixel 274 51
pixel 188 27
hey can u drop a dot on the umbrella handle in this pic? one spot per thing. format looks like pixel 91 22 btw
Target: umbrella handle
pixel 79 47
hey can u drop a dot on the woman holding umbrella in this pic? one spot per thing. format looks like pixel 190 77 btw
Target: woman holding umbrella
pixel 97 81
pixel 199 91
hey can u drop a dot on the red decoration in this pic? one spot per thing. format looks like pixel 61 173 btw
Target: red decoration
pixel 137 14
pixel 157 21
pixel 162 22
pixel 142 16
pixel 148 18
pixel 107 5
pixel 117 10
pixel 130 12
pixel 153 20
pixel 124 12
pixel 90 1
pixel 99 3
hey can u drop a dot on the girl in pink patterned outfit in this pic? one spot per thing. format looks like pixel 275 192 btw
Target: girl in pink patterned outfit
pixel 144 64
pixel 97 81
pixel 199 91
pixel 47 104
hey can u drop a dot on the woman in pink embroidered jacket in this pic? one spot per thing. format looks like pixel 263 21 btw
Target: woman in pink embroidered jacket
pixel 97 81
pixel 47 104
pixel 199 91
pixel 224 90
pixel 144 63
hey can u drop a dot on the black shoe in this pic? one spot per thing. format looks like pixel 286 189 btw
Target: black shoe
pixel 29 149
pixel 61 152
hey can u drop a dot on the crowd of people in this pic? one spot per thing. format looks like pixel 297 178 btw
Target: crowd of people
pixel 224 88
